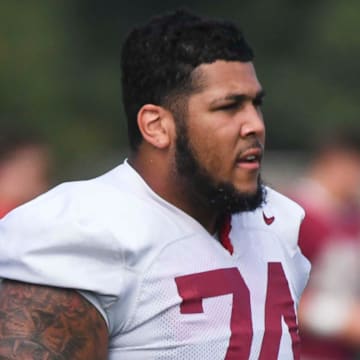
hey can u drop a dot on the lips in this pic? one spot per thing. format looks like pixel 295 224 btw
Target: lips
pixel 250 158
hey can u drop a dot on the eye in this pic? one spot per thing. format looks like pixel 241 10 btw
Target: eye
pixel 230 106
pixel 258 101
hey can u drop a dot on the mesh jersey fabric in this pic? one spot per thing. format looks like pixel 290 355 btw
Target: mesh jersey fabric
pixel 137 258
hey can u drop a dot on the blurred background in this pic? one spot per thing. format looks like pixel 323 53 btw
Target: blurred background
pixel 61 118
pixel 59 73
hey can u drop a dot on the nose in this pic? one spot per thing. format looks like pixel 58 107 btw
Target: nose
pixel 253 122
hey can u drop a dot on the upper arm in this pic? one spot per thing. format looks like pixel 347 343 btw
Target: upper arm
pixel 40 322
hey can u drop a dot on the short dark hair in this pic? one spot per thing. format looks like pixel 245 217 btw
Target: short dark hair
pixel 159 57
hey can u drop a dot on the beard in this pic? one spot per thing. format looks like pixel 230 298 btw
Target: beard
pixel 203 188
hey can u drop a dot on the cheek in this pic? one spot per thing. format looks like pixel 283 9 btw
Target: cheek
pixel 212 153
pixel 213 142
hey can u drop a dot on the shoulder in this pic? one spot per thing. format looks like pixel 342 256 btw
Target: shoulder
pixel 271 233
pixel 59 235
pixel 286 209
pixel 279 216
pixel 71 210
pixel 112 203
pixel 89 235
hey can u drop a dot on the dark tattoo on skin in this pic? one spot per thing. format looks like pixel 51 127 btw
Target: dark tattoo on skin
pixel 45 323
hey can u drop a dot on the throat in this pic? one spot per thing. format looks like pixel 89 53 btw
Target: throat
pixel 205 215
pixel 224 233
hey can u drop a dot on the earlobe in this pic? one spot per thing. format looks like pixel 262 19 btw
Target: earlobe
pixel 152 124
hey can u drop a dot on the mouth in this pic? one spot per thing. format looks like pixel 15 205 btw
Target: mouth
pixel 250 159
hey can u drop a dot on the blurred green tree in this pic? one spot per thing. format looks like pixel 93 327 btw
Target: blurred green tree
pixel 59 69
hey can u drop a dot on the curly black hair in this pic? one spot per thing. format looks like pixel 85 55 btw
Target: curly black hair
pixel 159 57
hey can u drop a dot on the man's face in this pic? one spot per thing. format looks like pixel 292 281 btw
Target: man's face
pixel 220 141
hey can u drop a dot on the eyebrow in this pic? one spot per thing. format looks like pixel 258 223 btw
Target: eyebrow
pixel 239 98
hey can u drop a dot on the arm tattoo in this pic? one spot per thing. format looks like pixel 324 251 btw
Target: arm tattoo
pixel 47 323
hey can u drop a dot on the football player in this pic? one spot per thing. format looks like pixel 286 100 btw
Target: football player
pixel 180 252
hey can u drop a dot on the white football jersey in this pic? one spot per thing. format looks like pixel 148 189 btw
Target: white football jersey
pixel 166 288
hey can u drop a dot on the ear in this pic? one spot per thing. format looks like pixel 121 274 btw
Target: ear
pixel 154 124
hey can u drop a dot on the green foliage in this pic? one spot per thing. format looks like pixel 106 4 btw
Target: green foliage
pixel 59 69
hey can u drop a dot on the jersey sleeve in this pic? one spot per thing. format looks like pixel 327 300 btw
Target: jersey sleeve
pixel 56 240
pixel 288 218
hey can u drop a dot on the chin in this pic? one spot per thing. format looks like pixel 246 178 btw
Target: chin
pixel 248 189
pixel 227 198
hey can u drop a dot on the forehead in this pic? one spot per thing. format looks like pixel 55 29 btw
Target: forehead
pixel 227 77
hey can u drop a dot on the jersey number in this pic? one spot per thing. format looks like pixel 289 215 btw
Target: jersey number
pixel 279 304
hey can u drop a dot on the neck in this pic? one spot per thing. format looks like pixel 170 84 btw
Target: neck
pixel 159 175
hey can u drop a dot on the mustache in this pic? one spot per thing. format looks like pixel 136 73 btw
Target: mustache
pixel 254 146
